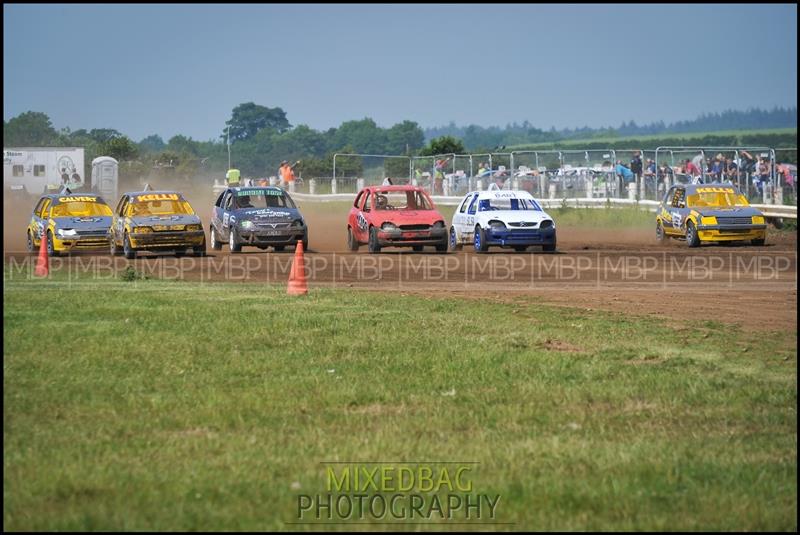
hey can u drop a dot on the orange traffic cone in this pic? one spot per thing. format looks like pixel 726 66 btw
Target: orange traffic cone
pixel 43 262
pixel 297 274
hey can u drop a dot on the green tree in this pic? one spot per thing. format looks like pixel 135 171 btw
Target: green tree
pixel 404 138
pixel 120 148
pixel 443 145
pixel 29 129
pixel 152 143
pixel 181 143
pixel 249 118
pixel 364 137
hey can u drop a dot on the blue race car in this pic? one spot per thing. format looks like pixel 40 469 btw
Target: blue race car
pixel 259 216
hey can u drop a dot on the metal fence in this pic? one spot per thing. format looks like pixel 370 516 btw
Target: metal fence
pixel 765 175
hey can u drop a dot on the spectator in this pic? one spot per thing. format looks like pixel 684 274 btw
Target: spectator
pixel 693 172
pixel 763 175
pixel 716 168
pixel 636 164
pixel 624 172
pixel 233 175
pixel 387 181
pixel 731 169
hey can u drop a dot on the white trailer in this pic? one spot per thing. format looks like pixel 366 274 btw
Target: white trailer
pixel 34 170
pixel 105 177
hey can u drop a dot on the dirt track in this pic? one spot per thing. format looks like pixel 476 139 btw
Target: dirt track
pixel 755 287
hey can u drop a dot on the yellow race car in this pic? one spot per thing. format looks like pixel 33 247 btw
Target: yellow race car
pixel 70 222
pixel 155 221
pixel 709 213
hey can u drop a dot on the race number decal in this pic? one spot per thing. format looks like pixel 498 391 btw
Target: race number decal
pixel 361 221
pixel 676 219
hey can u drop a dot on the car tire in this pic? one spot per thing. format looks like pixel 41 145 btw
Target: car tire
pixel 130 252
pixel 692 238
pixel 374 246
pixel 442 248
pixel 113 248
pixel 279 248
pixel 233 241
pixel 51 248
pixel 31 247
pixel 549 247
pixel 479 240
pixel 200 250
pixel 305 242
pixel 352 242
pixel 417 248
pixel 216 245
pixel 660 236
pixel 758 241
pixel 520 248
pixel 454 245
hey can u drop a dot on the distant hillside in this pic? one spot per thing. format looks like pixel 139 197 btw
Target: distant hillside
pixel 475 136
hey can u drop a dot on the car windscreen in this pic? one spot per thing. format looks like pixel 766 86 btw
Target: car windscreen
pixel 159 204
pixel 402 200
pixel 716 199
pixel 262 199
pixel 504 203
pixel 80 209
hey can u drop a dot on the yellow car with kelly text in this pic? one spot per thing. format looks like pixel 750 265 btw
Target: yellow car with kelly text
pixel 155 221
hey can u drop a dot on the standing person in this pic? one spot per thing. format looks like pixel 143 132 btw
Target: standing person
pixel 763 175
pixel 693 172
pixel 387 181
pixel 287 173
pixel 233 176
pixel 636 164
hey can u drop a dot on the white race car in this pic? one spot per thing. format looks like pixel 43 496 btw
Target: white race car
pixel 505 218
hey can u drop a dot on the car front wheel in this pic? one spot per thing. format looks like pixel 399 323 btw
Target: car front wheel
pixel 479 240
pixel 216 245
pixel 51 248
pixel 659 232
pixel 758 241
pixel 233 242
pixel 692 238
pixel 454 245
pixel 352 242
pixel 373 246
pixel 30 242
pixel 130 252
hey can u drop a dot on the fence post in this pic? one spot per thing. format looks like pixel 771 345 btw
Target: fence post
pixel 551 191
pixel 359 184
pixel 589 186
pixel 333 185
pixel 312 187
pixel 291 186
pixel 479 185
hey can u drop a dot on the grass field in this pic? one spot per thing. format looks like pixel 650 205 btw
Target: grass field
pixel 180 406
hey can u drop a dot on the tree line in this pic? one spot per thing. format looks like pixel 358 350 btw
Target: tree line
pixel 261 137
pixel 477 137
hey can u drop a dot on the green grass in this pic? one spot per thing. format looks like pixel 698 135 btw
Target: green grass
pixel 180 406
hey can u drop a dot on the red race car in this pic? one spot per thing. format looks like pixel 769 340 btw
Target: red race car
pixel 395 216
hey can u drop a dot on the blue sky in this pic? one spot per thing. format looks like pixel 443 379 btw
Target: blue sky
pixel 170 69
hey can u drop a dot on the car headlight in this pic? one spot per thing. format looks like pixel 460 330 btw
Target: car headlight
pixel 708 220
pixel 497 225
pixel 758 219
pixel 142 230
pixel 67 232
pixel 246 225
pixel 389 226
pixel 297 223
pixel 547 223
pixel 438 224
pixel 192 228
